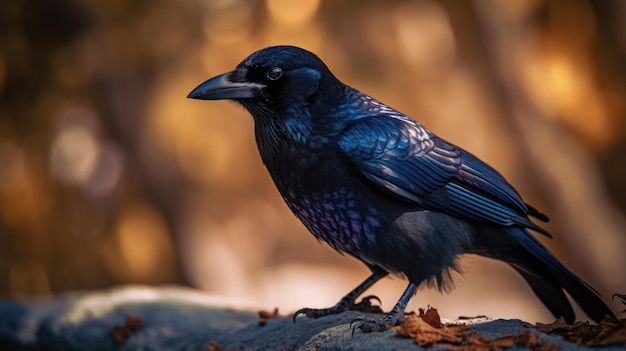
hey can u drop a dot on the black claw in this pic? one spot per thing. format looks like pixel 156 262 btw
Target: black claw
pixel 366 305
pixel 298 312
pixel 621 297
pixel 368 325
pixel 356 320
pixel 311 313
pixel 317 313
pixel 356 324
pixel 368 298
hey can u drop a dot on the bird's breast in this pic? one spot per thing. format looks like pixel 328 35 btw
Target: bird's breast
pixel 327 199
pixel 335 215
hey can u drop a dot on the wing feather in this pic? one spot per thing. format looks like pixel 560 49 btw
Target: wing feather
pixel 404 159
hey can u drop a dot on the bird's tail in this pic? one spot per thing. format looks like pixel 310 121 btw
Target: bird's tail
pixel 548 278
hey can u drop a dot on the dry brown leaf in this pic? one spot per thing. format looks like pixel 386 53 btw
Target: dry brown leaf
pixel 526 339
pixel 424 334
pixel 213 346
pixel 556 326
pixel 481 342
pixel 610 331
pixel 132 324
pixel 534 342
pixel 427 335
pixel 409 327
pixel 264 316
pixel 459 337
pixel 431 316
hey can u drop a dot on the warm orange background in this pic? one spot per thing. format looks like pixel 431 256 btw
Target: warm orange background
pixel 109 175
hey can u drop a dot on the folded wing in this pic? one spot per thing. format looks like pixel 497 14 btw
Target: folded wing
pixel 407 161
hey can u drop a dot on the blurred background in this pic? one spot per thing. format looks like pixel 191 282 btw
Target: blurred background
pixel 109 175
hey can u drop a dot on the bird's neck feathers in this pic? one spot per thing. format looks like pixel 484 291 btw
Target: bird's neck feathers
pixel 274 137
pixel 286 131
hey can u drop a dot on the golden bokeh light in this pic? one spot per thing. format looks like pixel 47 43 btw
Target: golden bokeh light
pixel 74 155
pixel 426 42
pixel 293 12
pixel 227 21
pixel 141 249
pixel 563 89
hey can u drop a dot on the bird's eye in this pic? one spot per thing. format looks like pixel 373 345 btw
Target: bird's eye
pixel 274 73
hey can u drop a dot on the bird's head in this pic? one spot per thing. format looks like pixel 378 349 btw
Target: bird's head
pixel 276 81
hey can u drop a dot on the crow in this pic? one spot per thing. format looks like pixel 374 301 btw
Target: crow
pixel 377 185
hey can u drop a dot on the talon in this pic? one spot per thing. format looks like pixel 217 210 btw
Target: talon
pixel 366 305
pixel 358 324
pixel 316 313
pixel 299 312
pixel 621 296
pixel 357 319
pixel 368 325
pixel 368 298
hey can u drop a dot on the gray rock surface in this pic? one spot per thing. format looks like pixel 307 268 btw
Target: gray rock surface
pixel 176 318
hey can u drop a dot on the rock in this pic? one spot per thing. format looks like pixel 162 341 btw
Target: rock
pixel 177 318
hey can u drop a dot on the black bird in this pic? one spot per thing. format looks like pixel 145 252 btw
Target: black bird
pixel 377 185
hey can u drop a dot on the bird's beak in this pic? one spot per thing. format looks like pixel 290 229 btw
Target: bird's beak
pixel 226 86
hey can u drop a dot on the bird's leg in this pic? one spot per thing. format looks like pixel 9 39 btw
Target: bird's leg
pixel 395 317
pixel 348 301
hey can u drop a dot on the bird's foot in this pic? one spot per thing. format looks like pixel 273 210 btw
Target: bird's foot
pixel 316 312
pixel 364 306
pixel 366 324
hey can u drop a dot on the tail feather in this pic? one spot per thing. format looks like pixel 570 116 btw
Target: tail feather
pixel 587 298
pixel 550 293
pixel 547 277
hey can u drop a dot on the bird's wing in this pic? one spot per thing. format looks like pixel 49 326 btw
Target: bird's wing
pixel 399 156
pixel 405 159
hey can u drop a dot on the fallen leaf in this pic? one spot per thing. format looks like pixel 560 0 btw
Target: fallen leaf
pixel 213 346
pixel 132 324
pixel 424 334
pixel 526 339
pixel 556 326
pixel 264 316
pixel 431 316
pixel 458 337
pixel 612 332
pixel 534 342
pixel 481 342
pixel 609 331
pixel 409 328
